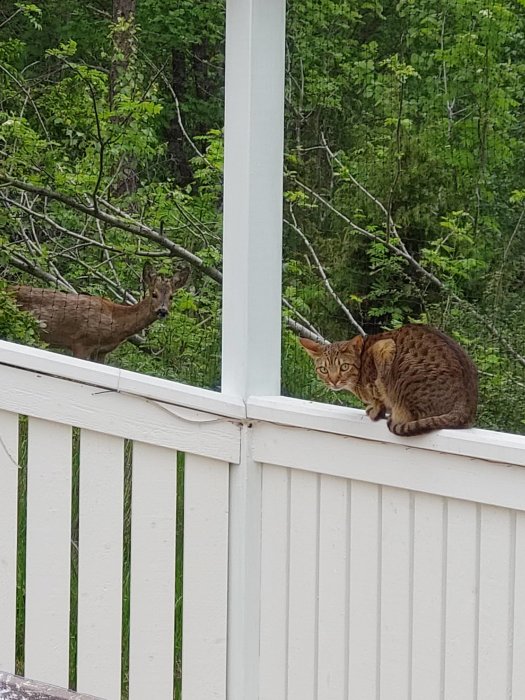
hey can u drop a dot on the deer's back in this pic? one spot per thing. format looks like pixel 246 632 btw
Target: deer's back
pixel 65 318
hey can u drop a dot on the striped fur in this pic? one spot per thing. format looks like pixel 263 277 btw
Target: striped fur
pixel 416 375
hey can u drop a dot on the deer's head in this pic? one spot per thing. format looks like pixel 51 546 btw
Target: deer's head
pixel 161 289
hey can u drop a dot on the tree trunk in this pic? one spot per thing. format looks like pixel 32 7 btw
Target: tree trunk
pixel 176 145
pixel 126 181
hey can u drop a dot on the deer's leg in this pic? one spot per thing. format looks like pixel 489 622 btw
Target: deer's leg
pixel 99 356
pixel 80 352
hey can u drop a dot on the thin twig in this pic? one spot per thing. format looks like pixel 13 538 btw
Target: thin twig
pixel 361 187
pixel 188 138
pixel 6 21
pixel 323 274
pixel 28 95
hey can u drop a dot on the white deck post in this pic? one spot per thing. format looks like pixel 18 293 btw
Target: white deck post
pixel 253 173
pixel 251 330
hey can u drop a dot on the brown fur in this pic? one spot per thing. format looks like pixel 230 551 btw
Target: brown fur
pixel 417 375
pixel 90 326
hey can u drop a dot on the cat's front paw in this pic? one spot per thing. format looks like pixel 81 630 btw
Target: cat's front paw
pixel 376 411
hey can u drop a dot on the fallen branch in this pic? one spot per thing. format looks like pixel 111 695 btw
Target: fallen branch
pixel 125 223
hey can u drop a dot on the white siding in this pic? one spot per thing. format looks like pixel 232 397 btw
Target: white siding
pixel 365 593
pixel 48 547
pixel 378 592
pixel 8 538
pixel 152 608
pixel 99 622
pixel 206 483
pixel 275 542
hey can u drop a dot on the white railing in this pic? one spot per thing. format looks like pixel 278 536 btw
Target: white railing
pixel 108 407
pixel 391 568
pixel 375 566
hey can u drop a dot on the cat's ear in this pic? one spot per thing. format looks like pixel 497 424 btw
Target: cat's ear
pixel 355 345
pixel 312 348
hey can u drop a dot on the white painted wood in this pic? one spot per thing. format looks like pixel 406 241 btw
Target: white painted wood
pixel 99 622
pixel 253 174
pixel 461 616
pixel 428 597
pixel 303 586
pixel 364 599
pixel 333 594
pixel 482 444
pixel 274 582
pixel 392 465
pixel 117 414
pixel 244 578
pixel 205 591
pixel 517 613
pixel 395 595
pixel 8 537
pixel 494 590
pixel 115 379
pixel 152 588
pixel 48 545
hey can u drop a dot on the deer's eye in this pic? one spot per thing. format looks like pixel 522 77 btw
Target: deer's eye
pixel 323 370
pixel 345 367
pixel 155 295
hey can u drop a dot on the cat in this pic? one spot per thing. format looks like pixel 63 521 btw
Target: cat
pixel 418 376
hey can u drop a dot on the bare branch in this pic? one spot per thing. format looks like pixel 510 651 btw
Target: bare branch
pixel 136 228
pixel 299 315
pixel 6 21
pixel 361 187
pixel 304 332
pixel 323 274
pixel 22 263
pixel 33 213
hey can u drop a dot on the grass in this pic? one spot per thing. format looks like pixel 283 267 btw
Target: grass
pixel 21 559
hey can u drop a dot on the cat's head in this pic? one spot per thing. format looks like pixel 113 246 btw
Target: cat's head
pixel 337 364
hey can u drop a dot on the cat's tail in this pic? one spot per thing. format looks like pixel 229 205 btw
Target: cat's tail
pixel 453 419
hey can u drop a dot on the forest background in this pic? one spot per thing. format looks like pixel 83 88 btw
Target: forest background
pixel 404 175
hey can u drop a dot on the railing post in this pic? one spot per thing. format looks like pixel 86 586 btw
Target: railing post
pixel 253 165
pixel 252 261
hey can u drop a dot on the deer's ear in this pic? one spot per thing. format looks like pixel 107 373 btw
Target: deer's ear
pixel 180 278
pixel 312 348
pixel 149 275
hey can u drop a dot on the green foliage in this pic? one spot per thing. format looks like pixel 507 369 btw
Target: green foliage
pixel 16 325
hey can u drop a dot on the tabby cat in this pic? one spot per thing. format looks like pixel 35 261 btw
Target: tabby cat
pixel 418 376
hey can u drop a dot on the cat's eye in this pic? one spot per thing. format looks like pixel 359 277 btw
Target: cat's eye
pixel 323 370
pixel 345 367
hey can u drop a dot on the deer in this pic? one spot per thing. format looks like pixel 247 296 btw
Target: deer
pixel 90 327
